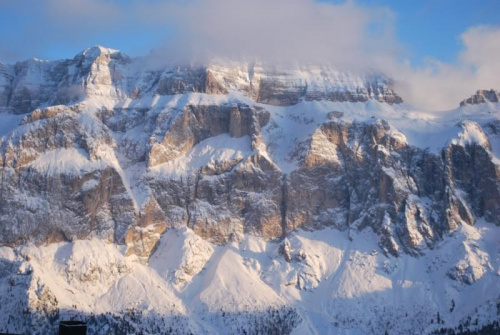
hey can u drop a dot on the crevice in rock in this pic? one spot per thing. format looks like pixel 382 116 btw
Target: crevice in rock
pixel 187 200
pixel 284 194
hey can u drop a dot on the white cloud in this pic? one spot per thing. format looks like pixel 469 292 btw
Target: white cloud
pixel 440 86
pixel 276 30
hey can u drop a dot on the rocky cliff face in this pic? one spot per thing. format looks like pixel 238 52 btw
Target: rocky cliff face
pixel 480 97
pixel 351 176
pixel 35 83
pixel 131 167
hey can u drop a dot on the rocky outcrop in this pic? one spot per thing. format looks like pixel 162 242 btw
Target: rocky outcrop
pixel 471 267
pixel 286 90
pixel 245 199
pixel 6 77
pixel 480 97
pixel 197 123
pixel 55 185
pixel 31 84
pixel 179 80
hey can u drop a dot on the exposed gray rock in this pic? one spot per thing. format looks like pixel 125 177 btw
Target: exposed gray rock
pixel 335 115
pixel 480 97
pixel 34 83
pixel 197 123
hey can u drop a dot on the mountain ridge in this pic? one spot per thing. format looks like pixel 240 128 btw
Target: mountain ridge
pixel 108 73
pixel 133 192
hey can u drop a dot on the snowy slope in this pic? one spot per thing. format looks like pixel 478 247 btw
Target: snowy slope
pixel 329 281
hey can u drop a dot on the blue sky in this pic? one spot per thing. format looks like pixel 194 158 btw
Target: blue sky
pixel 423 28
pixel 24 33
pixel 432 28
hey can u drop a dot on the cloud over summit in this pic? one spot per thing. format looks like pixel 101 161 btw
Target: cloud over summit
pixel 440 85
pixel 279 30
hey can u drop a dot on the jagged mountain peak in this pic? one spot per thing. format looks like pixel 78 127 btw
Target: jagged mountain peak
pixel 97 51
pixel 482 96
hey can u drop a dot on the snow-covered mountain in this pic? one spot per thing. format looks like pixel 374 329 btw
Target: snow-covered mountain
pixel 237 197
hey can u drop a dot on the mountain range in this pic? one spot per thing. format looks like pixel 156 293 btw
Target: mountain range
pixel 242 197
